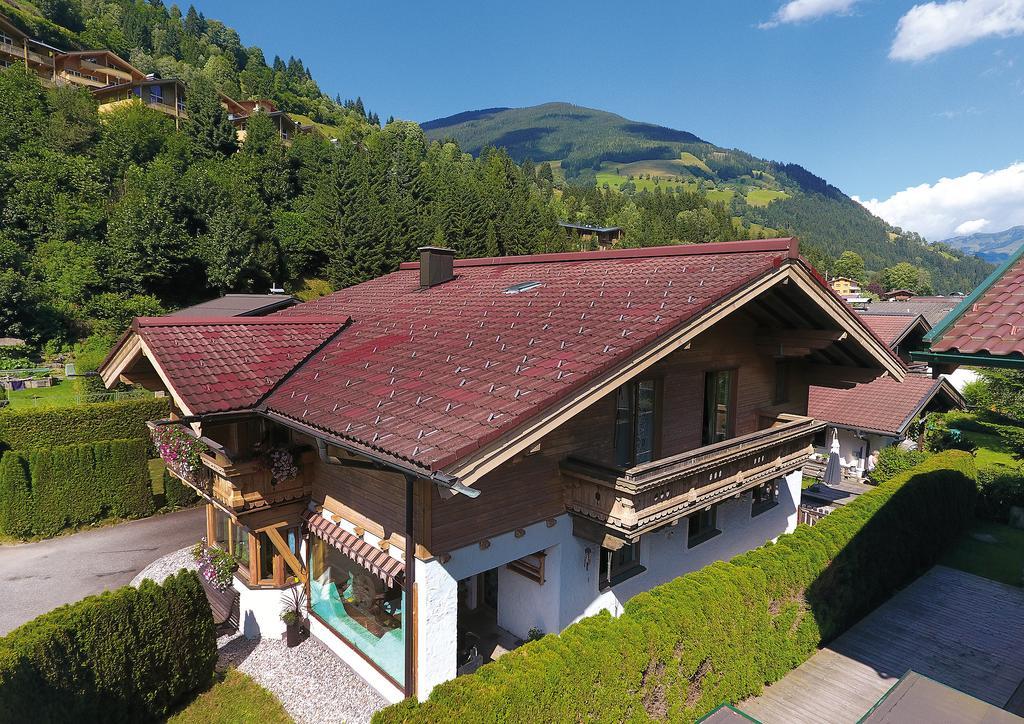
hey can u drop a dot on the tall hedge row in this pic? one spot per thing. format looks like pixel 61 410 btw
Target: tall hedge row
pixel 31 429
pixel 124 656
pixel 720 633
pixel 44 491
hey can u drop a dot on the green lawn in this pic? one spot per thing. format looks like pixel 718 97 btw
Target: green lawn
pixel 61 394
pixel 991 450
pixel 1001 559
pixel 234 699
pixel 763 197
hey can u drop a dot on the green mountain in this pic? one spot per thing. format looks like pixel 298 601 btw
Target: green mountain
pixel 592 147
pixel 995 247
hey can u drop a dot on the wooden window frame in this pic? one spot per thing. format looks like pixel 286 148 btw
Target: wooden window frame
pixel 531 566
pixel 658 382
pixel 730 411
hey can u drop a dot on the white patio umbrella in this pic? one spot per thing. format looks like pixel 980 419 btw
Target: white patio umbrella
pixel 833 470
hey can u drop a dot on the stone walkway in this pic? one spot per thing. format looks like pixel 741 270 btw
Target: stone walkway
pixel 309 680
pixel 959 629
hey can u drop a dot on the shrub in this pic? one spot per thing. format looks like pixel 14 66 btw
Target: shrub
pixel 720 633
pixel 126 419
pixel 894 460
pixel 123 656
pixel 176 493
pixel 999 488
pixel 44 491
pixel 977 395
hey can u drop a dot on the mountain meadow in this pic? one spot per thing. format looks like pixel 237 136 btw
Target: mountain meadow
pixel 108 216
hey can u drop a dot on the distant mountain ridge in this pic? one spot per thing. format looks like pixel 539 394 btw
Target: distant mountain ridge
pixel 994 247
pixel 594 147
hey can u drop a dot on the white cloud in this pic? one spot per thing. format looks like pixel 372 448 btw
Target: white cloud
pixel 799 11
pixel 933 28
pixel 969 227
pixel 993 200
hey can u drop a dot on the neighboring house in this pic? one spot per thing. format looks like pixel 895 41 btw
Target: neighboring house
pixel 549 435
pixel 874 415
pixel 933 309
pixel 987 328
pixel 16 48
pixel 604 236
pixel 845 287
pixel 903 333
pixel 239 113
pixel 898 295
pixel 166 95
pixel 238 305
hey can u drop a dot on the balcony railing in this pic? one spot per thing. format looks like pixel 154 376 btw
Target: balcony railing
pixel 636 500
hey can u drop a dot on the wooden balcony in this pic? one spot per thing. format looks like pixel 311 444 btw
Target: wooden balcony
pixel 634 501
pixel 76 78
pixel 247 485
pixel 105 70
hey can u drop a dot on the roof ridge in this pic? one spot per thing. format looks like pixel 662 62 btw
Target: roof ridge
pixel 239 321
pixel 788 244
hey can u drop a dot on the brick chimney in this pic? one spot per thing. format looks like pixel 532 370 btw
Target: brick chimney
pixel 437 266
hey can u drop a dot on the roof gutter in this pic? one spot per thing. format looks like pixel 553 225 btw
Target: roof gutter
pixel 441 479
pixel 958 359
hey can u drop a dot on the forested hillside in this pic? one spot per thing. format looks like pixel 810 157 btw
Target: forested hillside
pixel 596 148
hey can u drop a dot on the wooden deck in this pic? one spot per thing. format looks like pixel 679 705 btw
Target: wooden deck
pixel 959 629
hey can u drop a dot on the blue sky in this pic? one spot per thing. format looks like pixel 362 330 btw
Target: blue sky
pixel 876 96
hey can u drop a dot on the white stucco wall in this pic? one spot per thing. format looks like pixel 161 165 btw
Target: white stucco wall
pixel 524 604
pixel 854 450
pixel 665 553
pixel 259 611
pixel 436 626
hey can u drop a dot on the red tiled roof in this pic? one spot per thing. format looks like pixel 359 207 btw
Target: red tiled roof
pixel 882 405
pixel 889 327
pixel 229 363
pixel 993 323
pixel 430 375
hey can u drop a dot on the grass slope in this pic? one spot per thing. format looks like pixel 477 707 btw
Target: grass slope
pixel 591 145
pixel 234 699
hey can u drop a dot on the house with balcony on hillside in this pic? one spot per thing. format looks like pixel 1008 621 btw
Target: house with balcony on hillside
pixel 463 453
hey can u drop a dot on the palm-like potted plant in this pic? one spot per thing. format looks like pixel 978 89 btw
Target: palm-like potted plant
pixel 293 614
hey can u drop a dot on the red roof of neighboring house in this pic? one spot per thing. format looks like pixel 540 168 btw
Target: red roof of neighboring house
pixel 882 405
pixel 991 320
pixel 222 364
pixel 891 328
pixel 430 375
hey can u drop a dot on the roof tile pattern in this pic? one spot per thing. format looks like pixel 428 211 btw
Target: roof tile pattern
pixel 888 327
pixel 430 375
pixel 882 405
pixel 222 364
pixel 994 323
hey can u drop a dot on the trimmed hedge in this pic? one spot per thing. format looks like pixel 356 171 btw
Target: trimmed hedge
pixel 44 491
pixel 50 427
pixel 124 656
pixel 176 493
pixel 720 633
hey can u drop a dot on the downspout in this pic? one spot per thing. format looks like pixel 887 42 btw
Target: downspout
pixel 409 606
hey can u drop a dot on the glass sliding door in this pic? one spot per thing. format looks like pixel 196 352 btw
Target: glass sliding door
pixel 719 406
pixel 359 606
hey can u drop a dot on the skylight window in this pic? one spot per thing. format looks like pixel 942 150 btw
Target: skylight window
pixel 523 287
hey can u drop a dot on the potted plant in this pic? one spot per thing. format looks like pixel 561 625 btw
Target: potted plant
pixel 293 615
pixel 281 463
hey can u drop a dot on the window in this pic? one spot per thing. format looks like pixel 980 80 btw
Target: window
pixel 702 526
pixel 359 607
pixel 781 382
pixel 156 94
pixel 229 536
pixel 719 406
pixel 765 497
pixel 240 545
pixel 635 411
pixel 265 574
pixel 618 565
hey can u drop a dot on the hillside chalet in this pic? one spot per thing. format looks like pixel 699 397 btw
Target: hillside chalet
pixel 461 452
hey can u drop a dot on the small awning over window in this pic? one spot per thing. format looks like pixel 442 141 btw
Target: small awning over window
pixel 380 563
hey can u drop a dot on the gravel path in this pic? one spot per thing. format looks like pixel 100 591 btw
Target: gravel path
pixel 163 567
pixel 310 681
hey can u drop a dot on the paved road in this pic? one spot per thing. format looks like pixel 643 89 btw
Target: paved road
pixel 37 577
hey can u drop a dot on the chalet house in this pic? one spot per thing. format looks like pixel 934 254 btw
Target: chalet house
pixel 462 452
pixel 604 236
pixel 874 415
pixel 845 287
pixel 166 95
pixel 933 309
pixel 17 48
pixel 238 305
